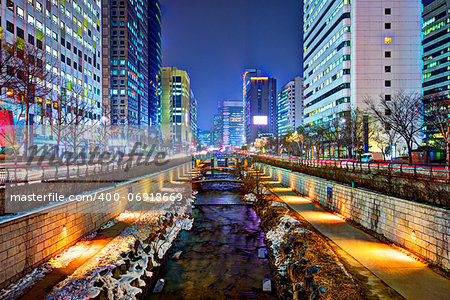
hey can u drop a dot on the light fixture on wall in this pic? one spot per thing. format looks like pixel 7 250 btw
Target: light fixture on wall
pixel 413 235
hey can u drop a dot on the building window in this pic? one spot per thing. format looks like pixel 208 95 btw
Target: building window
pixel 30 39
pixel 20 33
pixel 387 97
pixel 387 69
pixel 10 27
pixel 19 12
pixel 387 11
pixel 31 19
pixel 387 25
pixel 387 83
pixel 387 54
pixel 10 5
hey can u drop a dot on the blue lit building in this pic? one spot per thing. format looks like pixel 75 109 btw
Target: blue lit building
pixel 154 60
pixel 131 58
pixel 232 123
pixel 290 106
pixel 260 105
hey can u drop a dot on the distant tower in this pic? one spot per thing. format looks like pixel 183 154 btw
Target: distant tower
pixel 175 97
pixel 260 105
pixel 290 106
pixel 232 123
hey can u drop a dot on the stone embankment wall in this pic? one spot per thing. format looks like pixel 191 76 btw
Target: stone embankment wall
pixel 27 240
pixel 420 228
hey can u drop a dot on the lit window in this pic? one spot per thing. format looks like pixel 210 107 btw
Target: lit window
pixel 30 19
pixel 387 40
pixel 19 12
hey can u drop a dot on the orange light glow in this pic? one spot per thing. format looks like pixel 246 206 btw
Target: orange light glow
pixel 259 78
pixel 387 40
pixel 322 217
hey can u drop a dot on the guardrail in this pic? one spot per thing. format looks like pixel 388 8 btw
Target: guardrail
pixel 433 171
pixel 47 172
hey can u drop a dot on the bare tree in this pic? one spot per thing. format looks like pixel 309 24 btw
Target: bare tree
pixel 403 113
pixel 80 119
pixel 7 64
pixel 33 80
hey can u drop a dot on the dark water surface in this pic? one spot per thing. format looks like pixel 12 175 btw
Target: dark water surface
pixel 220 253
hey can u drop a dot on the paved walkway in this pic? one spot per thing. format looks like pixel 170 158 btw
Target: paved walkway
pixel 410 278
pixel 44 286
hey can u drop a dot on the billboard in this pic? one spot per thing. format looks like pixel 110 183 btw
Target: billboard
pixel 260 120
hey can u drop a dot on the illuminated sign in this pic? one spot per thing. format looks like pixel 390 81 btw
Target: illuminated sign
pixel 260 120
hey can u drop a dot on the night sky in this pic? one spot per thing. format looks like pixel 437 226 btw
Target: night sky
pixel 215 40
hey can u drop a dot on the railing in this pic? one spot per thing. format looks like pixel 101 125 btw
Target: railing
pixel 433 171
pixel 218 155
pixel 46 172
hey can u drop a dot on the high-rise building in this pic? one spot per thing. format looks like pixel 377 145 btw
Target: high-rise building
pixel 175 96
pixel 204 138
pixel 66 37
pixel 232 123
pixel 290 106
pixel 154 60
pixel 260 105
pixel 217 130
pixel 193 117
pixel 436 57
pixel 357 51
pixel 130 59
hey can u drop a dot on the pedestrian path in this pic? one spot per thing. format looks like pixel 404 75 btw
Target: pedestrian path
pixel 94 247
pixel 407 276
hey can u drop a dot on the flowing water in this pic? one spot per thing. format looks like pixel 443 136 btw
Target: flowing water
pixel 220 253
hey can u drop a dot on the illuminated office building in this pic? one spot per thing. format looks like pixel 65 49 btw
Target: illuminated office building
pixel 68 34
pixel 154 60
pixel 204 138
pixel 260 105
pixel 354 50
pixel 290 106
pixel 175 96
pixel 131 60
pixel 193 117
pixel 232 123
pixel 217 131
pixel 436 57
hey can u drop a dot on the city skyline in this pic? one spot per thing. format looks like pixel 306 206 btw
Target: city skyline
pixel 225 48
pixel 209 90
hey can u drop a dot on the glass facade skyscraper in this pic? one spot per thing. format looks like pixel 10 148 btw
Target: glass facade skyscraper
pixel 154 60
pixel 131 58
pixel 232 123
pixel 175 96
pixel 290 106
pixel 436 57
pixel 260 105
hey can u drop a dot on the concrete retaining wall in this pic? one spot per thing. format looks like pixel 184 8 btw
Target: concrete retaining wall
pixel 30 239
pixel 420 228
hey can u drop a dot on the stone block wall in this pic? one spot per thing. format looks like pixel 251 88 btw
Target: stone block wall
pixel 420 228
pixel 28 240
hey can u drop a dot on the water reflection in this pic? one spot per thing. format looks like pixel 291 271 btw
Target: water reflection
pixel 220 254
